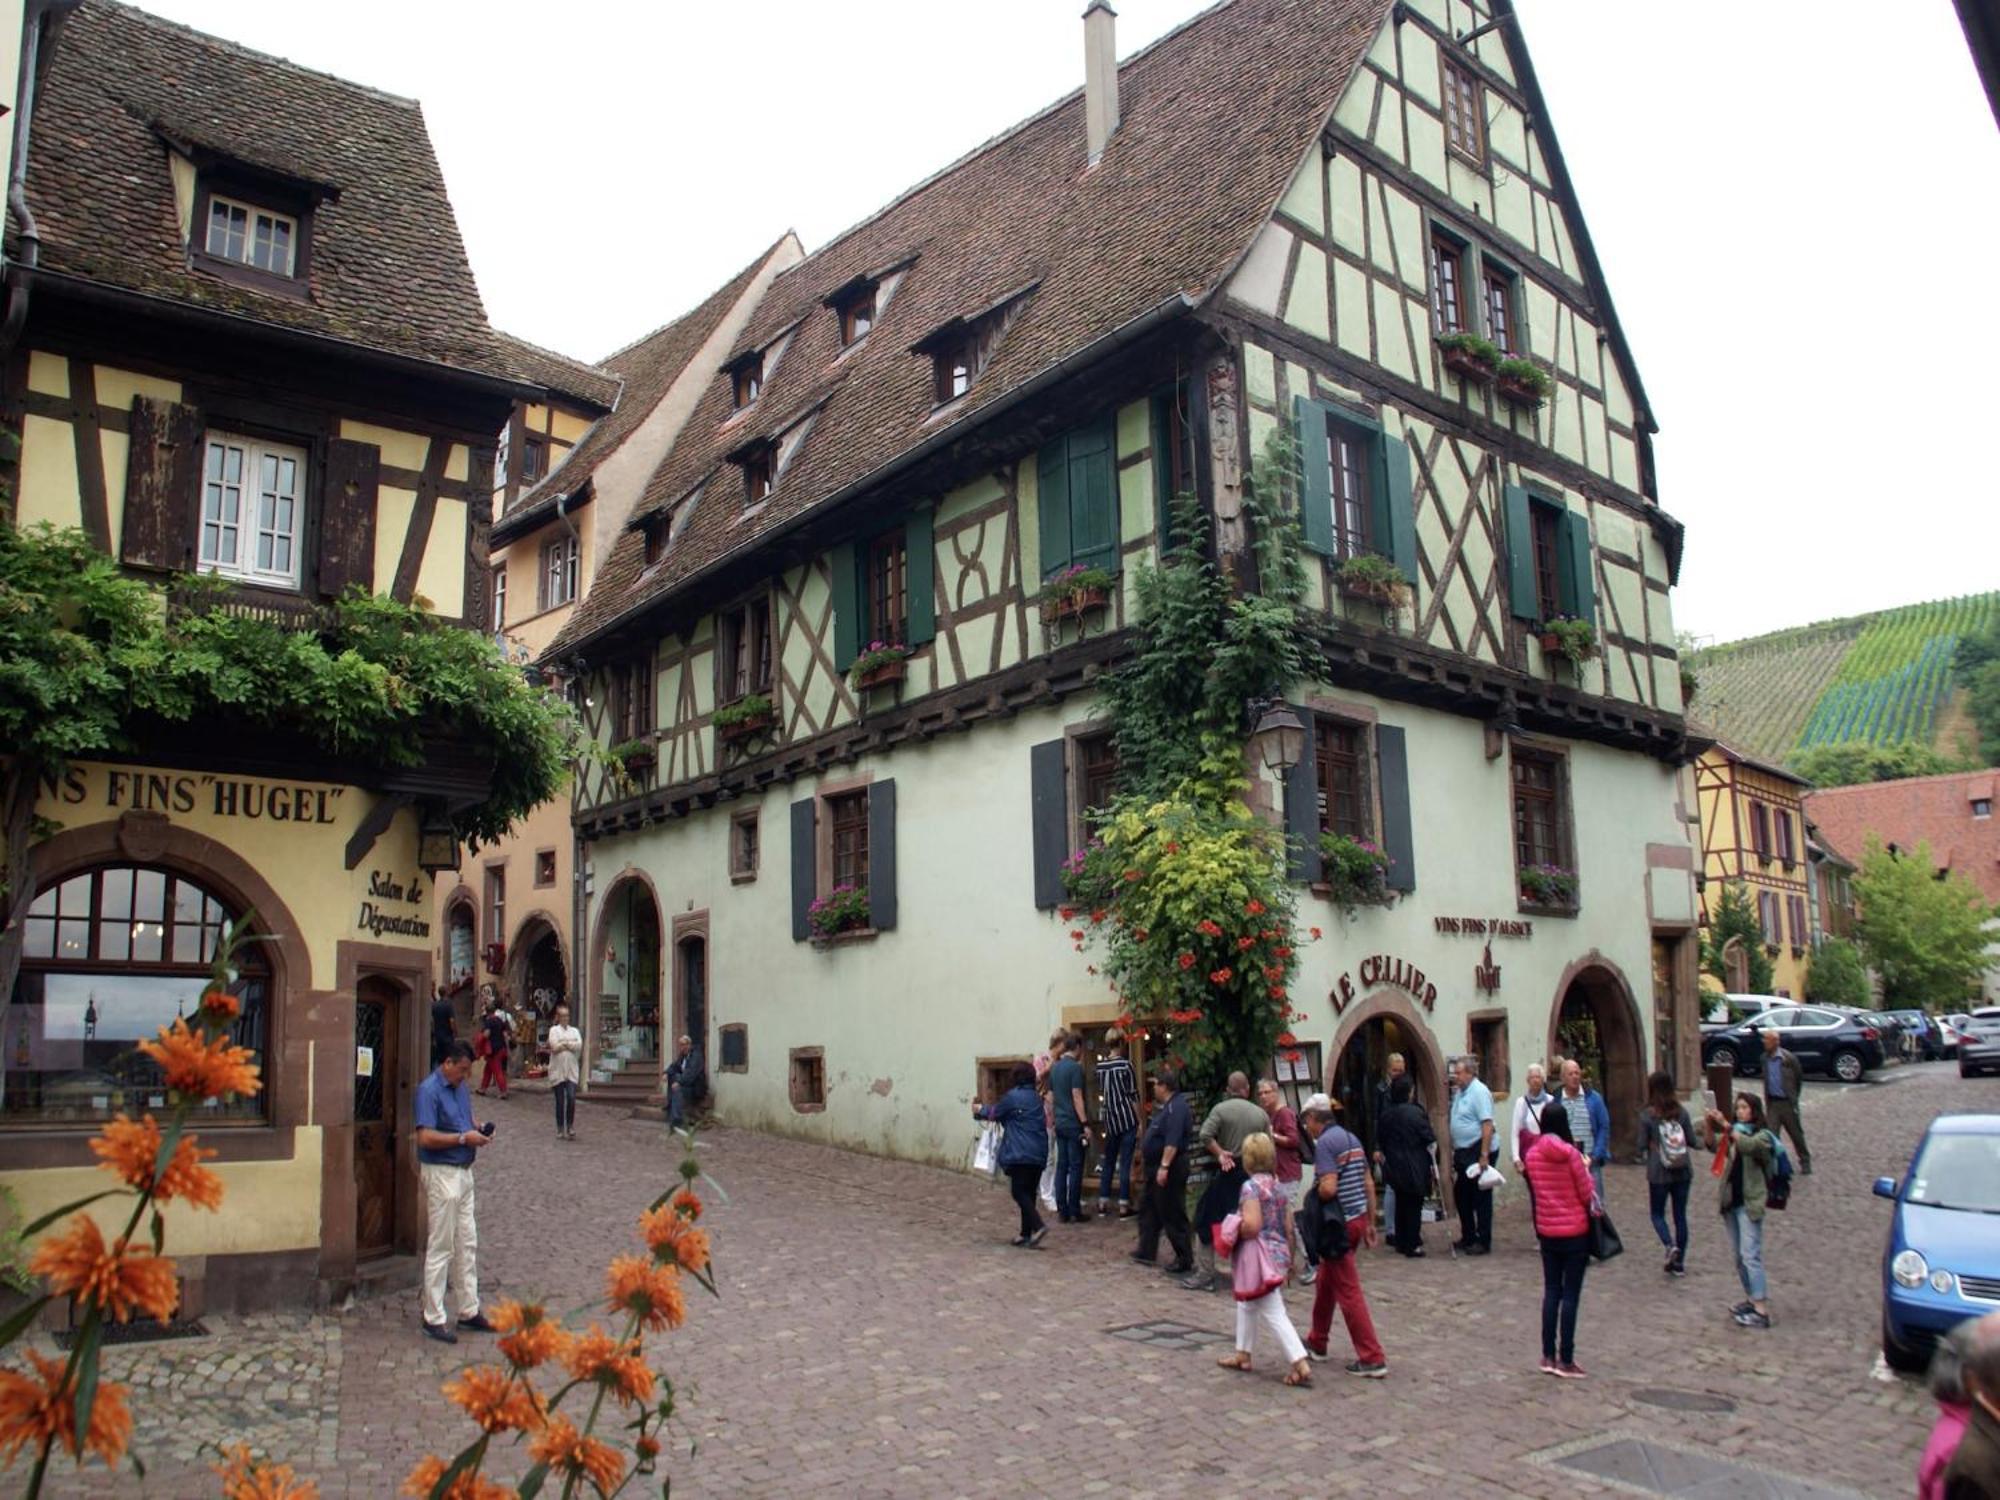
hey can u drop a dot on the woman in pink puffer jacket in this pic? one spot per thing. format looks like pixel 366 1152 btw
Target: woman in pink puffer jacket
pixel 1565 1200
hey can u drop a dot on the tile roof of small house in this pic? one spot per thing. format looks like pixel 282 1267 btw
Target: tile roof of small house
pixel 645 369
pixel 387 269
pixel 1919 809
pixel 585 385
pixel 1215 118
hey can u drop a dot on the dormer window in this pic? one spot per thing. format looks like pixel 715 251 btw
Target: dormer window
pixel 760 468
pixel 956 364
pixel 252 236
pixel 962 348
pixel 248 226
pixel 857 314
pixel 654 530
pixel 746 379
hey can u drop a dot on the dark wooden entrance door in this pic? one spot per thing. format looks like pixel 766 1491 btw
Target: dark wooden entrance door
pixel 376 1029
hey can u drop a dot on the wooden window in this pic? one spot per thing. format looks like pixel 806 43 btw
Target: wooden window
pixel 545 867
pixel 1340 754
pixel 496 904
pixel 1787 849
pixel 959 356
pixel 847 825
pixel 632 700
pixel 1348 454
pixel 1486 1037
pixel 746 380
pixel 1447 285
pixel 1547 522
pixel 808 1079
pixel 1539 832
pixel 735 1054
pixel 994 1077
pixel 252 509
pixel 1982 807
pixel 743 846
pixel 1760 830
pixel 252 236
pixel 1464 112
pixel 655 530
pixel 499 598
pixel 1767 917
pixel 1096 775
pixel 534 459
pixel 745 645
pixel 1499 308
pixel 888 589
pixel 760 472
pixel 857 315
pixel 1795 910
pixel 558 572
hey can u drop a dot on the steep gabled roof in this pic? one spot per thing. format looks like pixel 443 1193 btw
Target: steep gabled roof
pixel 588 386
pixel 1936 810
pixel 645 370
pixel 388 270
pixel 1215 118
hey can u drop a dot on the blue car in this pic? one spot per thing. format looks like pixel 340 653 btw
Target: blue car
pixel 1942 1262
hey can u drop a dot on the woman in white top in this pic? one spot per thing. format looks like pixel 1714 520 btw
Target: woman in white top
pixel 565 1065
pixel 1528 1113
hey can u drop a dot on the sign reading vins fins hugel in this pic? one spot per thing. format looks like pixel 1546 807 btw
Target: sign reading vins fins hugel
pixel 192 794
pixel 1379 970
pixel 377 919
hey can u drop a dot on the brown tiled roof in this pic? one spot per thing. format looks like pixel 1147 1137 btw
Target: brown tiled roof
pixel 645 370
pixel 387 270
pixel 1215 118
pixel 1920 809
pixel 1769 768
pixel 586 385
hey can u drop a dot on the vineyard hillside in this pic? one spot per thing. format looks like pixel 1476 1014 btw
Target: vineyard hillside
pixel 1882 679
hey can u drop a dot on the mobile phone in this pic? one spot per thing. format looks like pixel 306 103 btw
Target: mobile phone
pixel 488 1128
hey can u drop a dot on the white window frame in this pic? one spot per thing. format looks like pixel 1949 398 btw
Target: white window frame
pixel 559 562
pixel 246 523
pixel 254 216
pixel 499 598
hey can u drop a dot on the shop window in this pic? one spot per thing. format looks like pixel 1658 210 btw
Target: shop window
pixel 1486 1037
pixel 460 943
pixel 545 867
pixel 808 1079
pixel 743 847
pixel 108 957
pixel 735 1057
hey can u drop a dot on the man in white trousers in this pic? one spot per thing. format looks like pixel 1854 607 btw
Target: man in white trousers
pixel 446 1145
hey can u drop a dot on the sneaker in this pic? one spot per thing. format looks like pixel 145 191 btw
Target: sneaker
pixel 1309 1276
pixel 1367 1371
pixel 1753 1319
pixel 477 1323
pixel 1669 1266
pixel 1020 1240
pixel 1680 1265
pixel 1039 1235
pixel 439 1332
pixel 1103 1208
pixel 1550 1367
pixel 1569 1370
pixel 1198 1282
pixel 1741 1308
pixel 1316 1351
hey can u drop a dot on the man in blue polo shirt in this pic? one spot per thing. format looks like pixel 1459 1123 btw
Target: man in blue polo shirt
pixel 1471 1154
pixel 446 1144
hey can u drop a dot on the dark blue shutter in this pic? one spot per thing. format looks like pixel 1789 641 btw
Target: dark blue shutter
pixel 1052 504
pixel 1521 555
pixel 1048 820
pixel 1395 508
pixel 1579 584
pixel 1392 759
pixel 1315 476
pixel 805 866
pixel 920 570
pixel 882 855
pixel 1093 495
pixel 1302 861
pixel 846 607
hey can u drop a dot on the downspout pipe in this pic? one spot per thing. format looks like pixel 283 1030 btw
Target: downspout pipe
pixel 41 17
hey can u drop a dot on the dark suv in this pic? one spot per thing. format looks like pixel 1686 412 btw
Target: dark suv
pixel 1820 1037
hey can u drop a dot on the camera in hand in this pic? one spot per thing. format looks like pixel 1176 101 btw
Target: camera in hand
pixel 488 1128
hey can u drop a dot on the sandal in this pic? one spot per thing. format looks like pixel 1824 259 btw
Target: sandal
pixel 1301 1373
pixel 1238 1361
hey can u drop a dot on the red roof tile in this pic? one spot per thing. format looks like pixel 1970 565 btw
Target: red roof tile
pixel 1921 809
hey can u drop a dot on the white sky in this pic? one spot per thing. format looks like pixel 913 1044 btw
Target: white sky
pixel 1795 205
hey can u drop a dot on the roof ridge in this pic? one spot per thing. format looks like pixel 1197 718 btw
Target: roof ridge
pixel 763 255
pixel 1000 138
pixel 228 45
pixel 581 364
pixel 1865 786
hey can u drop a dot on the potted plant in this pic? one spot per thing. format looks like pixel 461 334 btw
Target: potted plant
pixel 1470 357
pixel 843 909
pixel 1356 871
pixel 1548 885
pixel 631 756
pixel 881 663
pixel 745 719
pixel 1521 381
pixel 1570 637
pixel 1372 576
pixel 1076 590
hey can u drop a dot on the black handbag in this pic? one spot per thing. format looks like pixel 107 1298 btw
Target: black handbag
pixel 1604 1241
pixel 1323 1226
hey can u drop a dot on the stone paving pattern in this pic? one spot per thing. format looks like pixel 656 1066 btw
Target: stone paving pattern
pixel 877 1336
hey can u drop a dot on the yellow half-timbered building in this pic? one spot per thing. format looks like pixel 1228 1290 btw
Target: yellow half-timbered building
pixel 1754 832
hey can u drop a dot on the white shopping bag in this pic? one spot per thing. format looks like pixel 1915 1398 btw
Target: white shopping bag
pixel 986 1151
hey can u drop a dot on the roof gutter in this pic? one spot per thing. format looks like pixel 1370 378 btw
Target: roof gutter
pixel 40 17
pixel 1120 337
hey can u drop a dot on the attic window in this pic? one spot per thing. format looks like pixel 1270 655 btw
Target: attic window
pixel 760 469
pixel 252 236
pixel 857 314
pixel 746 379
pixel 962 348
pixel 654 529
pixel 251 228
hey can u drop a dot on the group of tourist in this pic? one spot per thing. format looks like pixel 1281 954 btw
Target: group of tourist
pixel 1292 1195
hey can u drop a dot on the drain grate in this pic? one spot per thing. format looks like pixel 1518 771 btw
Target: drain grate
pixel 1670 1399
pixel 1655 1469
pixel 1163 1333
pixel 138 1331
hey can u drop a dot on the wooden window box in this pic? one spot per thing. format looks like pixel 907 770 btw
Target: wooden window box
pixel 1517 392
pixel 1530 907
pixel 1467 366
pixel 1324 890
pixel 1076 605
pixel 885 675
pixel 1391 597
pixel 747 729
pixel 845 936
pixel 638 760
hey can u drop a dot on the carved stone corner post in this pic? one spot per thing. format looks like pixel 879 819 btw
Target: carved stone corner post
pixel 1225 446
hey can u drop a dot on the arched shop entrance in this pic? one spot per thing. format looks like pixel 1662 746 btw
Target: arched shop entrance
pixel 1597 1022
pixel 628 997
pixel 1373 1029
pixel 537 977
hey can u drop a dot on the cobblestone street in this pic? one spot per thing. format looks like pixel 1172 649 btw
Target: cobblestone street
pixel 876 1335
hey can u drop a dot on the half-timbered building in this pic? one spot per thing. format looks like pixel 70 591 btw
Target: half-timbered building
pixel 242 339
pixel 1266 220
pixel 1754 833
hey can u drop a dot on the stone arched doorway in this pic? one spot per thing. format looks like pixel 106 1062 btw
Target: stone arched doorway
pixel 537 970
pixel 1596 1021
pixel 626 966
pixel 1371 1030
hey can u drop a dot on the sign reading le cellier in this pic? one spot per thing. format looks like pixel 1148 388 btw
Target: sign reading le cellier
pixel 375 919
pixel 1379 969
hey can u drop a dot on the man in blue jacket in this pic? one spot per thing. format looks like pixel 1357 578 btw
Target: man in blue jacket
pixel 1589 1122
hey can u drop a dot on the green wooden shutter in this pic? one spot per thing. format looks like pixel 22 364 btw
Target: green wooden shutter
pixel 805 866
pixel 1302 856
pixel 1579 588
pixel 1392 760
pixel 1048 820
pixel 920 571
pixel 1395 512
pixel 1520 555
pixel 882 856
pixel 1315 478
pixel 846 607
pixel 1093 495
pixel 1052 496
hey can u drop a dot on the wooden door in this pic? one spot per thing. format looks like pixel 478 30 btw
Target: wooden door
pixel 377 1027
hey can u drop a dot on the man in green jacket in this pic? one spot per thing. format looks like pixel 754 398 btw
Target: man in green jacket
pixel 1783 1082
pixel 1232 1122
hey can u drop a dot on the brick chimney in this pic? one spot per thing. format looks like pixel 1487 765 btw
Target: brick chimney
pixel 1100 75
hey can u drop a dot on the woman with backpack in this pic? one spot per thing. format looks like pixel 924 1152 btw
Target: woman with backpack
pixel 1666 1140
pixel 1744 1155
pixel 1565 1201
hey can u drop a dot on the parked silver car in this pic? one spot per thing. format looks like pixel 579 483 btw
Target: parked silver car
pixel 1979 1042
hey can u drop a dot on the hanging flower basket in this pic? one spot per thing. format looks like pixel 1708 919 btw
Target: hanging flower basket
pixel 1373 578
pixel 881 664
pixel 1074 592
pixel 1549 886
pixel 633 756
pixel 1521 382
pixel 1469 357
pixel 745 719
pixel 1570 639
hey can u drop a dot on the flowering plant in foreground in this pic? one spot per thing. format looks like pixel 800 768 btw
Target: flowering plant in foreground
pixel 644 1291
pixel 61 1405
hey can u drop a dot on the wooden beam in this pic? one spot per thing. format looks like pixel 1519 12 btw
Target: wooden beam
pixel 418 536
pixel 375 825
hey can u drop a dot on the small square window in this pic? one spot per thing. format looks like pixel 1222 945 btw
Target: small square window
pixel 735 1049
pixel 808 1079
pixel 545 867
pixel 747 380
pixel 743 847
pixel 252 236
pixel 995 1077
pixel 1982 807
pixel 534 459
pixel 1465 112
